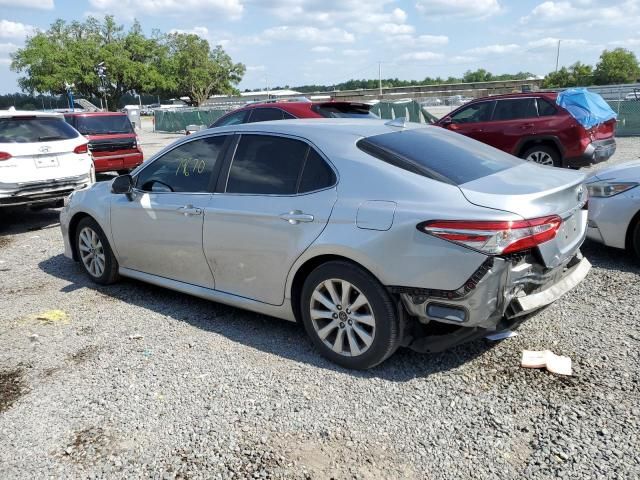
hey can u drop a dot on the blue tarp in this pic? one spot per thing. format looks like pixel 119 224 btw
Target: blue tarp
pixel 588 108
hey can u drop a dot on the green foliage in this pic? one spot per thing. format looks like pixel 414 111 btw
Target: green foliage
pixel 70 52
pixel 617 66
pixel 578 74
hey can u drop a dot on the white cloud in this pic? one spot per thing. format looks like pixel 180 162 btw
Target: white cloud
pixel 630 42
pixel 37 4
pixel 458 8
pixel 322 49
pixel 9 29
pixel 421 40
pixel 256 68
pixel 584 12
pixel 396 28
pixel 130 8
pixel 5 61
pixel 350 52
pixel 8 47
pixel 494 49
pixel 200 31
pixel 552 42
pixel 326 61
pixel 309 34
pixel 422 56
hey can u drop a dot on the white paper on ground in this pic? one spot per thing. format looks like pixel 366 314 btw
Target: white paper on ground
pixel 494 337
pixel 557 364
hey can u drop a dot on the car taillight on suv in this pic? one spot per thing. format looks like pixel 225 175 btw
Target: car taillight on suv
pixel 4 156
pixel 84 148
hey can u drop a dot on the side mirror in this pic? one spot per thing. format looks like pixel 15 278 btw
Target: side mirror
pixel 122 184
pixel 446 121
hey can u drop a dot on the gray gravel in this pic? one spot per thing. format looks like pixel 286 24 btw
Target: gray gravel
pixel 139 381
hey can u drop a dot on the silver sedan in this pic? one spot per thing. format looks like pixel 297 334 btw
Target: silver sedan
pixel 373 235
pixel 614 207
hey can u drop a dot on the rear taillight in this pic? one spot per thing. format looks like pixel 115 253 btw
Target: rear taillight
pixel 84 148
pixel 495 238
pixel 4 156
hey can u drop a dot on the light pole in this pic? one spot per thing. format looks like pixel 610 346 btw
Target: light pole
pixel 69 88
pixel 101 70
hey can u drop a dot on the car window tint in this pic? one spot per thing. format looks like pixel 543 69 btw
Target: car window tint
pixel 287 115
pixel 438 154
pixel 316 175
pixel 515 109
pixel 344 110
pixel 477 112
pixel 103 124
pixel 545 109
pixel 265 114
pixel 187 168
pixel 35 129
pixel 235 118
pixel 265 164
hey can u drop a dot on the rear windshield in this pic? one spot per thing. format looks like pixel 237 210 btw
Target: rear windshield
pixel 103 124
pixel 35 129
pixel 344 110
pixel 439 154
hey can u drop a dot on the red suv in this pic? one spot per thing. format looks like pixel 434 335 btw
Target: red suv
pixel 112 141
pixel 533 127
pixel 283 110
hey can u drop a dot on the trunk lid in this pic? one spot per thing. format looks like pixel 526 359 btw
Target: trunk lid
pixel 534 191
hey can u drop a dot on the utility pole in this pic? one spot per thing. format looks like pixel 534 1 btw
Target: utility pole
pixel 266 81
pixel 558 55
pixel 380 78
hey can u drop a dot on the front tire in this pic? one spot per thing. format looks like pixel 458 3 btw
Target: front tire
pixel 349 315
pixel 543 155
pixel 94 252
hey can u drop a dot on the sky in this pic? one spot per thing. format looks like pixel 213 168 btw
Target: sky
pixel 297 42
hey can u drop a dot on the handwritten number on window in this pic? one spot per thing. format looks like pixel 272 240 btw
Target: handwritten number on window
pixel 189 166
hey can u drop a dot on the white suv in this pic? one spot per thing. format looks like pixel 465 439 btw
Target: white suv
pixel 42 158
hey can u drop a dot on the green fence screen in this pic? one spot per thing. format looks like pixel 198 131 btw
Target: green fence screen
pixel 628 117
pixel 177 120
pixel 412 111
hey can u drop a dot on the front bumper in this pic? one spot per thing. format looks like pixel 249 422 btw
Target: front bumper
pixel 596 152
pixel 30 193
pixel 501 288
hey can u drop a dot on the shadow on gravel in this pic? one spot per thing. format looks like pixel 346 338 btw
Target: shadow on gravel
pixel 277 337
pixel 17 220
pixel 609 258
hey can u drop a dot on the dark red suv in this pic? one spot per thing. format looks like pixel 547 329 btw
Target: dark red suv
pixel 533 127
pixel 283 110
pixel 112 141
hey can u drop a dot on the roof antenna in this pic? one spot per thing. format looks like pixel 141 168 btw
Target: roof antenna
pixel 397 122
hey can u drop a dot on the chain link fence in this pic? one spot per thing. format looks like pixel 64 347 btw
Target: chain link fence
pixel 177 120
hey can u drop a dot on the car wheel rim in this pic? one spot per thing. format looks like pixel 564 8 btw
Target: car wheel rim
pixel 342 317
pixel 543 158
pixel 91 252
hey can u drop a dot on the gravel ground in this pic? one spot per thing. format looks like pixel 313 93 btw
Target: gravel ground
pixel 132 380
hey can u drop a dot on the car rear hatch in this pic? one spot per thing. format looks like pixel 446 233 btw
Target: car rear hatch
pixel 532 191
pixel 603 131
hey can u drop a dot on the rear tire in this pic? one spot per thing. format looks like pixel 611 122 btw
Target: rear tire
pixel 364 331
pixel 543 155
pixel 94 252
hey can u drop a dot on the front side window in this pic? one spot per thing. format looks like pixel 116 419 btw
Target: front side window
pixel 271 165
pixel 265 114
pixel 235 118
pixel 515 109
pixel 185 169
pixel 477 112
pixel 30 129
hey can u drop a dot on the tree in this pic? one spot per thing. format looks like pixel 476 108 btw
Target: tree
pixel 617 66
pixel 200 72
pixel 578 74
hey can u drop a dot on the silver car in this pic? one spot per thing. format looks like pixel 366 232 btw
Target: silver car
pixel 374 235
pixel 614 207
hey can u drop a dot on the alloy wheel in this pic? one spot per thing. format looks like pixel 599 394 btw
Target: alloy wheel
pixel 543 158
pixel 91 252
pixel 342 317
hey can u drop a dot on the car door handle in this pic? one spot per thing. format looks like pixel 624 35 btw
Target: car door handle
pixel 190 210
pixel 296 216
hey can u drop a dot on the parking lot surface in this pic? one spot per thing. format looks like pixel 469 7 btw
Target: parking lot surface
pixel 132 380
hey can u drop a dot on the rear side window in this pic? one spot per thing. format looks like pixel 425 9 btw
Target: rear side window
pixel 343 110
pixel 265 114
pixel 103 124
pixel 477 112
pixel 235 118
pixel 439 154
pixel 545 109
pixel 35 129
pixel 317 175
pixel 515 109
pixel 267 165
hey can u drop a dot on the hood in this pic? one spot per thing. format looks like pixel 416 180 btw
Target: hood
pixel 628 171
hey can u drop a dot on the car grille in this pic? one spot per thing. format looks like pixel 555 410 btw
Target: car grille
pixel 112 145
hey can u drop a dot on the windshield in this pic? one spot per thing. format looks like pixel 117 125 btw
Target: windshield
pixel 34 129
pixel 103 124
pixel 439 154
pixel 344 110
